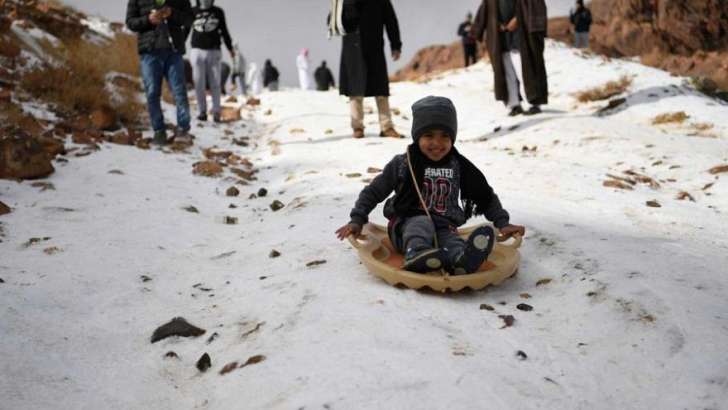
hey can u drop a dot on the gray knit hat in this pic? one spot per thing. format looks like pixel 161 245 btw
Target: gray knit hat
pixel 434 113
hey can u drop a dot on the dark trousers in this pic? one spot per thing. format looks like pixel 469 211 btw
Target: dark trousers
pixel 471 53
pixel 418 232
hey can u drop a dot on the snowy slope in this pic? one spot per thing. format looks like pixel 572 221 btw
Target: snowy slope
pixel 634 316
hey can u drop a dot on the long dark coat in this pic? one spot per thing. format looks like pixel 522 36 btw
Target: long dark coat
pixel 531 16
pixel 486 24
pixel 532 21
pixel 363 70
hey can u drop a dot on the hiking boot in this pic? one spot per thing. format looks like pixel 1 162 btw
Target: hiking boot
pixel 423 260
pixel 358 133
pixel 202 117
pixel 517 110
pixel 390 133
pixel 216 118
pixel 535 109
pixel 478 246
pixel 160 137
pixel 183 136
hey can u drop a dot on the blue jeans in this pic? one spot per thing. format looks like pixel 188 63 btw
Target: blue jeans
pixel 165 64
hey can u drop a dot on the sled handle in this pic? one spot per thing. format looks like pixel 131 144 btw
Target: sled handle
pixel 357 243
pixel 517 240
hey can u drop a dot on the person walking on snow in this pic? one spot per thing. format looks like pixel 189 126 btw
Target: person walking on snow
pixel 581 19
pixel 239 64
pixel 270 76
pixel 363 70
pixel 531 17
pixel 161 28
pixel 324 78
pixel 470 45
pixel 209 30
pixel 304 76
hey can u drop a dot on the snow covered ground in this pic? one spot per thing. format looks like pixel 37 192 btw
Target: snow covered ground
pixel 634 316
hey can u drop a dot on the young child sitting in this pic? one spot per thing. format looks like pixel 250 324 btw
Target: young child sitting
pixel 443 176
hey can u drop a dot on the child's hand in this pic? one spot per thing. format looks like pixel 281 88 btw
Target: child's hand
pixel 348 229
pixel 510 230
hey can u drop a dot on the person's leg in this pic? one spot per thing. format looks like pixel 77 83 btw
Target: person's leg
pixel 199 73
pixel 385 114
pixel 175 74
pixel 466 54
pixel 214 62
pixel 152 69
pixel 451 243
pixel 585 39
pixel 357 113
pixel 468 258
pixel 420 255
pixel 511 81
pixel 242 85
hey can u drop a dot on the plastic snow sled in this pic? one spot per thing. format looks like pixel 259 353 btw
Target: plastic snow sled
pixel 378 255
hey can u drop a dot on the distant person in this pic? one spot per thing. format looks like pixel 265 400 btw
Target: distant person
pixel 470 44
pixel 363 71
pixel 270 76
pixel 209 30
pixel 254 80
pixel 239 66
pixel 581 19
pixel 532 18
pixel 304 76
pixel 161 35
pixel 324 78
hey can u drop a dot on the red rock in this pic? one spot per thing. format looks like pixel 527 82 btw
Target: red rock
pixel 207 169
pixel 23 157
pixel 124 138
pixel 230 114
pixel 105 119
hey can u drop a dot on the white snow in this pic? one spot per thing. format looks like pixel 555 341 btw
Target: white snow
pixel 99 26
pixel 31 35
pixel 634 317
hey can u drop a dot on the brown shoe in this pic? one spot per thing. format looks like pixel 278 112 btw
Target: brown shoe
pixel 391 133
pixel 358 133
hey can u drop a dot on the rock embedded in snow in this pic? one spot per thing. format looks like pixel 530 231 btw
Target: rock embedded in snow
pixel 204 363
pixel 171 355
pixel 191 209
pixel 521 355
pixel 176 327
pixel 276 205
pixel 274 254
pixel 653 204
pixel 207 169
pixel 485 306
pixel 105 119
pixel 262 192
pixel 232 191
pixel 315 263
pixel 524 307
pixel 719 169
pixel 508 320
pixel 4 209
pixel 23 158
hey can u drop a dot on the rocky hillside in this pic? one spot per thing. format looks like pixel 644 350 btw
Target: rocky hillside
pixel 685 37
pixel 59 82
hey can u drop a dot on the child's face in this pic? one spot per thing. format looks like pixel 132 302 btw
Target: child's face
pixel 435 144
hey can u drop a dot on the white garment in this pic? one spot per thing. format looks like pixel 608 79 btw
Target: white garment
pixel 254 80
pixel 206 66
pixel 304 77
pixel 239 66
pixel 512 67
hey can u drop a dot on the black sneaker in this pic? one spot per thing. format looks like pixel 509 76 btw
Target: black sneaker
pixel 479 245
pixel 517 110
pixel 160 137
pixel 422 261
pixel 202 117
pixel 183 136
pixel 535 109
pixel 216 118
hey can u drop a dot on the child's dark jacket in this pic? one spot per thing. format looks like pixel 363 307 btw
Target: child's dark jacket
pixel 441 187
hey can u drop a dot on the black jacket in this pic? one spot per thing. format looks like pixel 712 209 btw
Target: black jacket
pixel 465 31
pixel 208 28
pixel 582 20
pixel 270 74
pixel 324 78
pixel 137 20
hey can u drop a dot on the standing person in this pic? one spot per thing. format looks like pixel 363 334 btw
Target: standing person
pixel 209 29
pixel 470 45
pixel 254 80
pixel 363 71
pixel 304 76
pixel 239 64
pixel 270 76
pixel 497 20
pixel 581 19
pixel 161 28
pixel 324 77
pixel 532 19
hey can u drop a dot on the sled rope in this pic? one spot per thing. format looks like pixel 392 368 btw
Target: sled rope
pixel 424 206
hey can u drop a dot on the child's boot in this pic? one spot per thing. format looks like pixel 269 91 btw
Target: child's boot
pixel 423 260
pixel 479 245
